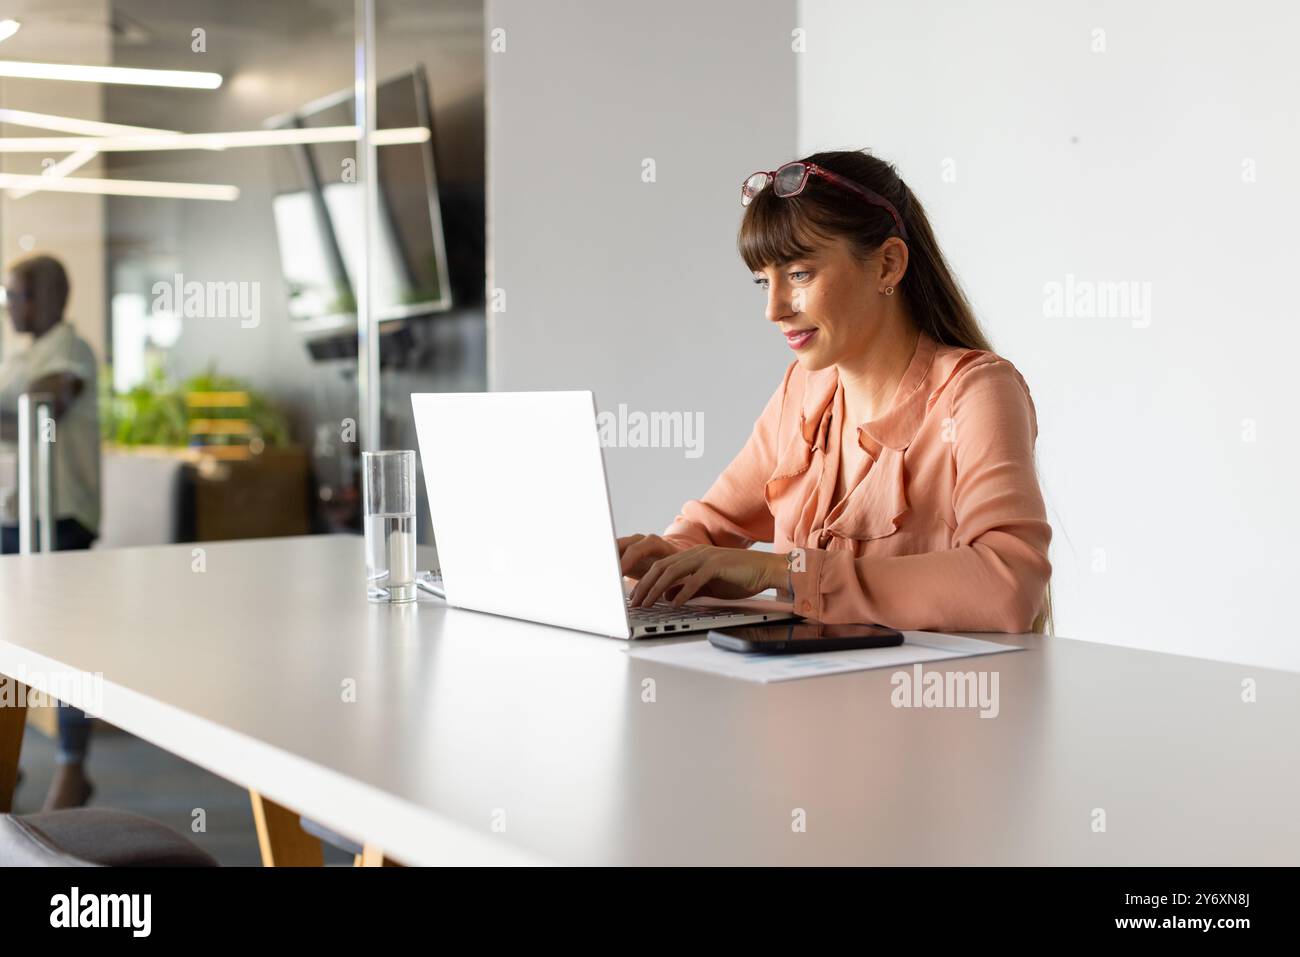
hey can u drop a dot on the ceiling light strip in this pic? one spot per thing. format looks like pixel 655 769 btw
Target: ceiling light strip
pixel 120 187
pixel 131 76
pixel 197 141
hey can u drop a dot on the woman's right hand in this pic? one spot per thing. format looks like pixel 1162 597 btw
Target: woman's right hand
pixel 636 553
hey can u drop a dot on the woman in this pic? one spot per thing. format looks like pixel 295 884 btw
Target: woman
pixel 893 467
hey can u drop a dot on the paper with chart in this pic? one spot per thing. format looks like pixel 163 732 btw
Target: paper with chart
pixel 917 647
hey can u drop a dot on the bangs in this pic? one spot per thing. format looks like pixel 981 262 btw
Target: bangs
pixel 776 231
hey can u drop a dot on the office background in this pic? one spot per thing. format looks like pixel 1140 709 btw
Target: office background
pixel 274 59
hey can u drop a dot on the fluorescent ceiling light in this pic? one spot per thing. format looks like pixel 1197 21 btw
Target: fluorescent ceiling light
pixel 120 187
pixel 68 124
pixel 197 141
pixel 124 139
pixel 69 163
pixel 8 28
pixel 187 79
pixel 71 124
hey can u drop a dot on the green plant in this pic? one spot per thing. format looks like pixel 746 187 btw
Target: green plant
pixel 155 412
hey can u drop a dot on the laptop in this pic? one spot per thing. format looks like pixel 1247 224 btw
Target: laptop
pixel 522 520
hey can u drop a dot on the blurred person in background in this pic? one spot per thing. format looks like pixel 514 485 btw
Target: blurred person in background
pixel 60 364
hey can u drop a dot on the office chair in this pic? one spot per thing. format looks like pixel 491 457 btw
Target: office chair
pixel 94 837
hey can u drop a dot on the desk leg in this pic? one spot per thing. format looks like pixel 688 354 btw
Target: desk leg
pixel 283 841
pixel 13 721
pixel 373 856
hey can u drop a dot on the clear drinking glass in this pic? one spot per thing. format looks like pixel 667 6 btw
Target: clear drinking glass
pixel 388 488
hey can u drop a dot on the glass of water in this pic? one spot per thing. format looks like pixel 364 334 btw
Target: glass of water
pixel 388 488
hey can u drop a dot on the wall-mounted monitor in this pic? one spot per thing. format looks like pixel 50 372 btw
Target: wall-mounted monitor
pixel 317 209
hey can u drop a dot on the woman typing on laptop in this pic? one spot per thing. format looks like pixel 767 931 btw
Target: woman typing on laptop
pixel 893 466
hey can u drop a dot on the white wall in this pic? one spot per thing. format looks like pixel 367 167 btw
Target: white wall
pixel 629 288
pixel 1173 530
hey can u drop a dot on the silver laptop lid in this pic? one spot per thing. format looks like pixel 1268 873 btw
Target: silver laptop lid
pixel 520 506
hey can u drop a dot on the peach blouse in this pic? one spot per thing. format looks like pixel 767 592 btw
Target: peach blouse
pixel 945 530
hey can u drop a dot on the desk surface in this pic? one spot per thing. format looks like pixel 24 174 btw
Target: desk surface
pixel 473 738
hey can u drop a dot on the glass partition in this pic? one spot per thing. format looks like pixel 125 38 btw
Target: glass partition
pixel 192 169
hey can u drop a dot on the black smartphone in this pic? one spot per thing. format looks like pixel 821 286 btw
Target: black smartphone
pixel 797 637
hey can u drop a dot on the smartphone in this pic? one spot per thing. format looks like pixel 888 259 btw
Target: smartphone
pixel 797 637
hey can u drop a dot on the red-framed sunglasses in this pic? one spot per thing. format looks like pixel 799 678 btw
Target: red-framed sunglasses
pixel 790 179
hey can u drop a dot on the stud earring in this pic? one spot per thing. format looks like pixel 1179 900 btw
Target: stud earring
pixel 889 290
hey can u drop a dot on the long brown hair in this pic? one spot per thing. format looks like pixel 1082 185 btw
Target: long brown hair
pixel 777 230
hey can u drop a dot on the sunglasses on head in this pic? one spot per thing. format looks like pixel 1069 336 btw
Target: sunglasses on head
pixel 790 179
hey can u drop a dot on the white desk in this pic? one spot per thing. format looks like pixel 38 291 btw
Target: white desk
pixel 464 720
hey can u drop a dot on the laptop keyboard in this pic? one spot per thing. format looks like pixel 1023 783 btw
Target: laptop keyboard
pixel 664 615
pixel 662 612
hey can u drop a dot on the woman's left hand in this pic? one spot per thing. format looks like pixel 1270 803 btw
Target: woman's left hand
pixel 712 571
